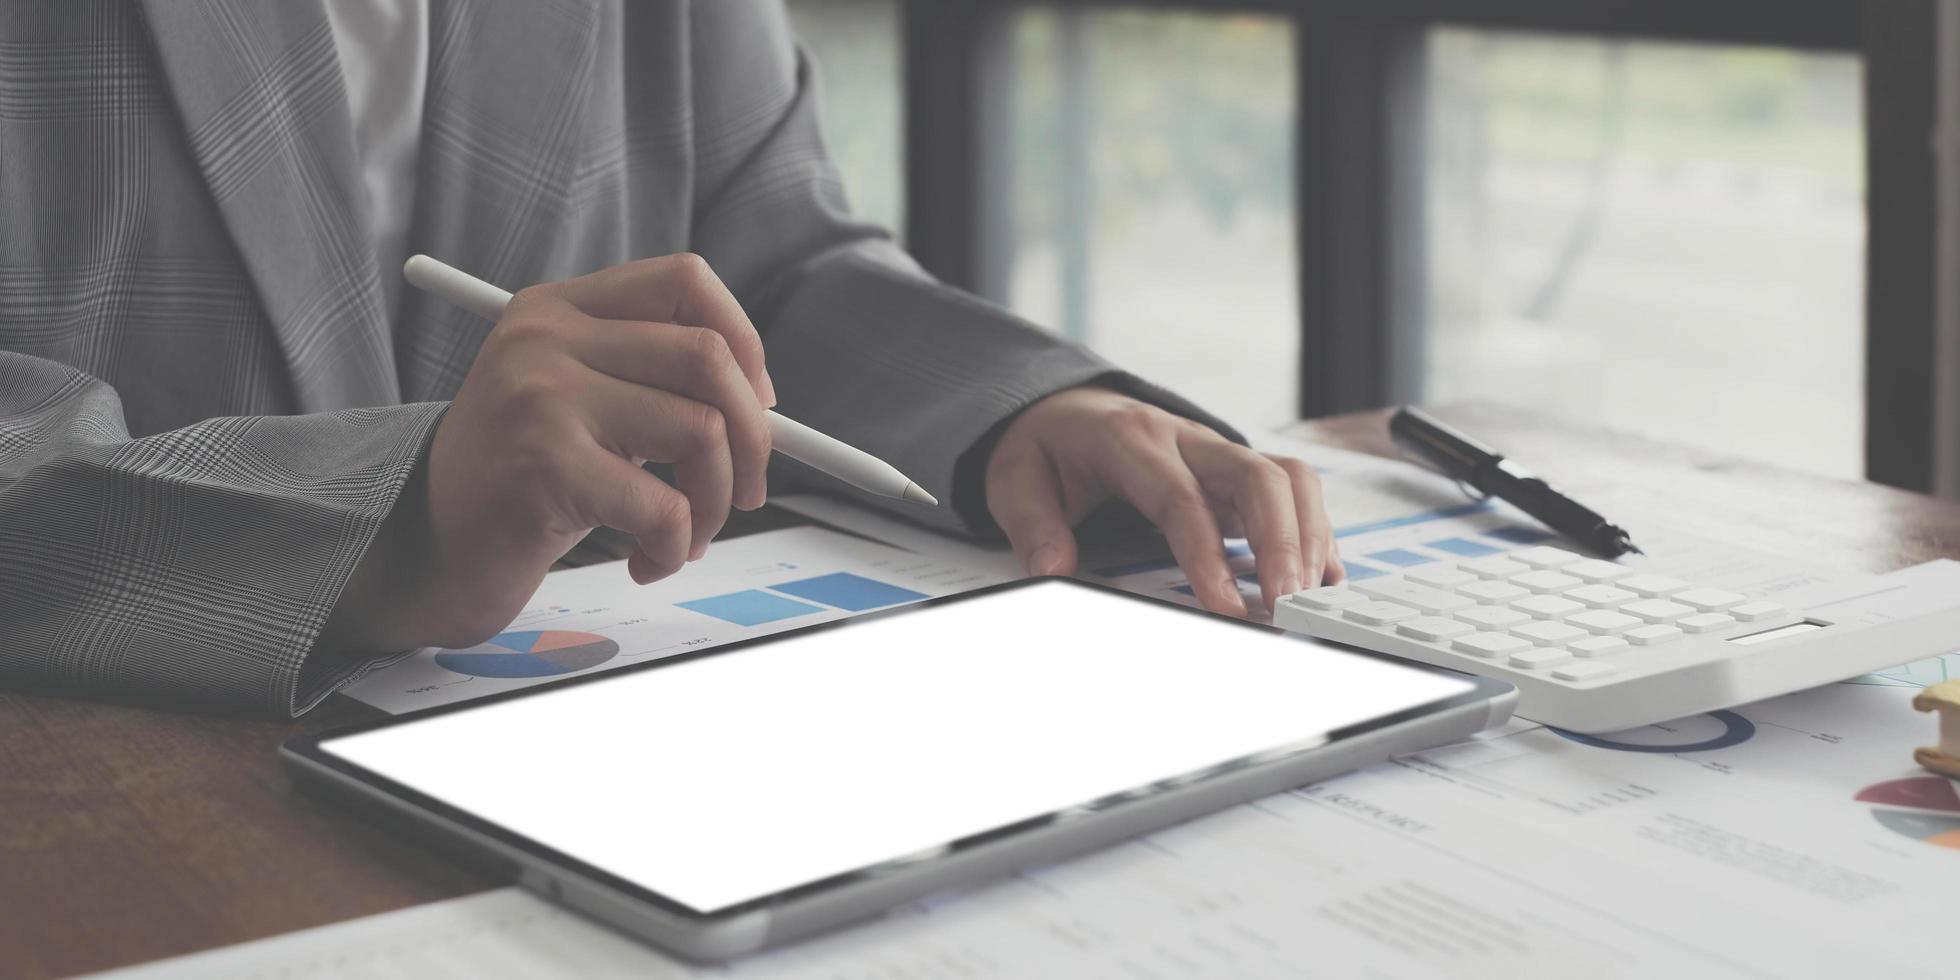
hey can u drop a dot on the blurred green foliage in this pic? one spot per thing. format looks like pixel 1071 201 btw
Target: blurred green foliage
pixel 1201 105
pixel 1544 96
pixel 1178 103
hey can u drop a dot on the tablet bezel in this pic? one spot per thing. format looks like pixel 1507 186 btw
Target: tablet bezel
pixel 311 749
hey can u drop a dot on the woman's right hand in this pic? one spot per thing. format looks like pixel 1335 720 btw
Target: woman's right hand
pixel 579 383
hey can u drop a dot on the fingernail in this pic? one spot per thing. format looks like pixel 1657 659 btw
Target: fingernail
pixel 1288 584
pixel 699 550
pixel 1046 560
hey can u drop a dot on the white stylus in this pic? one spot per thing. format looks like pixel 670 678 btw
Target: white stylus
pixel 789 437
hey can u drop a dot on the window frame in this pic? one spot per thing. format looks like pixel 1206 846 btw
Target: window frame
pixel 1357 150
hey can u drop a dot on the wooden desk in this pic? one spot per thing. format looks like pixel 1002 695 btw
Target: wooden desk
pixel 128 835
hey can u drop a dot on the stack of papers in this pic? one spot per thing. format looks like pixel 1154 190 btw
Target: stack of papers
pixel 1792 837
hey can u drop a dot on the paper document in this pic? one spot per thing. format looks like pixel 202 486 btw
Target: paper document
pixel 996 563
pixel 1789 838
pixel 1388 514
pixel 591 619
pixel 595 618
pixel 1364 494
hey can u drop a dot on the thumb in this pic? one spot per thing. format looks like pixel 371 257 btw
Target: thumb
pixel 1025 499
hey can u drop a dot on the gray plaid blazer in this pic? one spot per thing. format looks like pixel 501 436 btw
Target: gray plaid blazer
pixel 205 410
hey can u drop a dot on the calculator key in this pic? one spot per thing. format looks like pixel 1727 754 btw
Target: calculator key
pixel 1488 590
pixel 1548 634
pixel 1496 566
pixel 1489 644
pixel 1749 612
pixel 1492 617
pixel 1584 670
pixel 1329 598
pixel 1434 628
pixel 1604 622
pixel 1544 556
pixel 1709 600
pixel 1655 635
pixel 1595 570
pixel 1539 658
pixel 1652 586
pixel 1544 581
pixel 1600 596
pixel 1420 597
pixel 1595 646
pixel 1704 622
pixel 1440 576
pixel 1378 613
pixel 1657 610
pixel 1547 606
pixel 1378 588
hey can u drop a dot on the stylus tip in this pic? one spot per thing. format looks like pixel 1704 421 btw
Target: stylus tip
pixel 917 493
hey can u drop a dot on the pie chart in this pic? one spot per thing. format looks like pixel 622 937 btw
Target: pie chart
pixel 1695 733
pixel 1922 807
pixel 530 653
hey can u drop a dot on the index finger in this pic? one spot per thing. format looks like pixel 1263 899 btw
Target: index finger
pixel 1263 493
pixel 678 288
pixel 1322 553
pixel 1161 486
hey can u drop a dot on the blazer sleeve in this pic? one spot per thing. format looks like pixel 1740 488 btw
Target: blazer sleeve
pixel 192 567
pixel 861 342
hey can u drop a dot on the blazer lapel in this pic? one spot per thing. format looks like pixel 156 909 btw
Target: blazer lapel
pixel 259 88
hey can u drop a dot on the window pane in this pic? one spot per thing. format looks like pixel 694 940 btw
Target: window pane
pixel 1152 181
pixel 1667 238
pixel 855 46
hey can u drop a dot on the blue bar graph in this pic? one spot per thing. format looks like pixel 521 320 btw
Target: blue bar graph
pixel 1401 557
pixel 846 591
pixel 751 607
pixel 1357 572
pixel 1462 546
pixel 1406 520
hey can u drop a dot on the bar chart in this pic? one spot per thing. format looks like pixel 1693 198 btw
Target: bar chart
pixel 596 618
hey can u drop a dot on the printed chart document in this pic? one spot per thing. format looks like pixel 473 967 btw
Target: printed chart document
pixel 1365 494
pixel 591 619
pixel 1386 514
pixel 1787 838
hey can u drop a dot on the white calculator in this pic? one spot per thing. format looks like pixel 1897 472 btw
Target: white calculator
pixel 1598 646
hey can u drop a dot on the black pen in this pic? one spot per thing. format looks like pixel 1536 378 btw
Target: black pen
pixel 1463 458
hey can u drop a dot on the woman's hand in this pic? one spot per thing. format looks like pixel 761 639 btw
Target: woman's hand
pixel 1075 449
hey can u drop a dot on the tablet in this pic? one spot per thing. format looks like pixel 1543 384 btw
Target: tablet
pixel 719 802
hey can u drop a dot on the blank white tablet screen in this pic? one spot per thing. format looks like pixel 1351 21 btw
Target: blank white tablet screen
pixel 737 776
